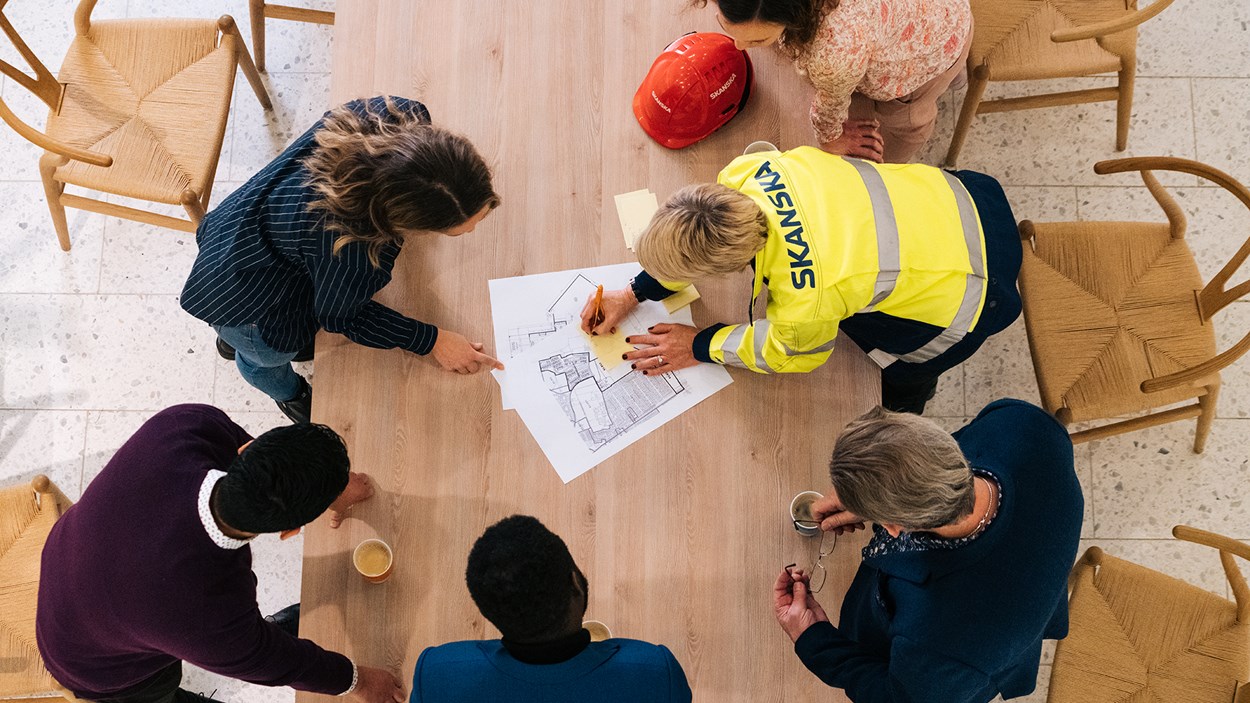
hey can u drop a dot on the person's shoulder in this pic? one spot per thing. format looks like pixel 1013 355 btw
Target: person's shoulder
pixel 462 653
pixel 1018 412
pixel 636 653
pixel 381 105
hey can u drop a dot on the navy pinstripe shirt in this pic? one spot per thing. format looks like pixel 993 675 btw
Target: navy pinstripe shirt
pixel 266 260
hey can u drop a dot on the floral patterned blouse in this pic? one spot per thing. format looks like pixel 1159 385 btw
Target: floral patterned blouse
pixel 884 49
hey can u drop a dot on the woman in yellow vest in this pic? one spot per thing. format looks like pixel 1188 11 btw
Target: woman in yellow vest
pixel 916 265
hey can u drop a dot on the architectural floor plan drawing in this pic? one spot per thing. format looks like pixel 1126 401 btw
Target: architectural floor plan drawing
pixel 603 408
pixel 578 411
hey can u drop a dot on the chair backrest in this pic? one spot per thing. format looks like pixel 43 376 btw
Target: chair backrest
pixel 27 514
pixel 45 86
pixel 1216 294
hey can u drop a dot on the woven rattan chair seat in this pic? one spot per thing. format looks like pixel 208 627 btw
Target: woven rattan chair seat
pixel 1109 305
pixel 1138 635
pixel 1012 38
pixel 24 527
pixel 153 94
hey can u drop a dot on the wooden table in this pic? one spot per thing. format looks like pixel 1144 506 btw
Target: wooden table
pixel 682 534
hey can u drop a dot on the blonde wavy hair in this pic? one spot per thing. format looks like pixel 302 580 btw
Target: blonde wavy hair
pixel 382 175
pixel 703 230
pixel 901 469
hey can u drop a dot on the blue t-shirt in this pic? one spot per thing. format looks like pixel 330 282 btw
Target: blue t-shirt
pixel 612 671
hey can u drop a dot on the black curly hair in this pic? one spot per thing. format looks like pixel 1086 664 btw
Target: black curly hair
pixel 519 576
pixel 283 480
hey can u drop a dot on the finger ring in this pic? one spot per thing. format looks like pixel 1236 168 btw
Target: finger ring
pixel 660 359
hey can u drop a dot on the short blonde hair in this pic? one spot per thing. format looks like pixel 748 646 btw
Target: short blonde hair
pixel 901 469
pixel 703 230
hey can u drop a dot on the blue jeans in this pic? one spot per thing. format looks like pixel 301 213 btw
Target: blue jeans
pixel 266 368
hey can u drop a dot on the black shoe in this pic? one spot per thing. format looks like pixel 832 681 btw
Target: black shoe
pixel 287 619
pixel 224 350
pixel 299 408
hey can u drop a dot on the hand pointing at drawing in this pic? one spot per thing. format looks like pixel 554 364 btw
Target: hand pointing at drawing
pixel 455 353
pixel 615 306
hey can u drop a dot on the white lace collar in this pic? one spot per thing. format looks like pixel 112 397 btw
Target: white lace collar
pixel 206 514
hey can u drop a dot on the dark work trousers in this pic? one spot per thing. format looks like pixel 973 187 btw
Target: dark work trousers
pixel 907 387
pixel 161 688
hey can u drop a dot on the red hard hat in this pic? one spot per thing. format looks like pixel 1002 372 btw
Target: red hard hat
pixel 697 85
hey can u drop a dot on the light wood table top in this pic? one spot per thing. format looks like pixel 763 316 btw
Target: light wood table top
pixel 682 534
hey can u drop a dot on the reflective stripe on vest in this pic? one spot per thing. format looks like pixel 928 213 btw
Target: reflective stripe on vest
pixel 730 348
pixel 887 232
pixel 964 319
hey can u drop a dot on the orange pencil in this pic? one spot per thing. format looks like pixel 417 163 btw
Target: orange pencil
pixel 597 318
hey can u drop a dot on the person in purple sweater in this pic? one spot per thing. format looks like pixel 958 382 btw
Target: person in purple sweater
pixel 152 567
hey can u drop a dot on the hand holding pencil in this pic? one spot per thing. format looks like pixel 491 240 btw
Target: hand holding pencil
pixel 606 309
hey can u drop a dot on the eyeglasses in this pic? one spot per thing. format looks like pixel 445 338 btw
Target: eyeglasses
pixel 817 575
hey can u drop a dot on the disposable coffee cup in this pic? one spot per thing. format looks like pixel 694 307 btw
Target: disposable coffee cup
pixel 598 631
pixel 801 509
pixel 373 558
pixel 754 147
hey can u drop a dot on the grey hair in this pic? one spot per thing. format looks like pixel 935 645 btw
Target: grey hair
pixel 901 469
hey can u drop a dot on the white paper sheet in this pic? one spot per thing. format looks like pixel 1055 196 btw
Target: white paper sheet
pixel 579 412
pixel 525 309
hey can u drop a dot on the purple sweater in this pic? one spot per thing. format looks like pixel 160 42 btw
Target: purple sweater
pixel 132 583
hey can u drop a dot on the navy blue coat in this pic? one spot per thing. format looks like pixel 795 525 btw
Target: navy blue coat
pixel 966 624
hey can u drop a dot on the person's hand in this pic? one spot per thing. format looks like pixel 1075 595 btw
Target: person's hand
pixel 455 353
pixel 616 305
pixel 359 489
pixel 859 138
pixel 795 608
pixel 834 517
pixel 377 686
pixel 671 348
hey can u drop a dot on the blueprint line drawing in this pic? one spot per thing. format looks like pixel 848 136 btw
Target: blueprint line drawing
pixel 579 412
pixel 600 407
pixel 564 310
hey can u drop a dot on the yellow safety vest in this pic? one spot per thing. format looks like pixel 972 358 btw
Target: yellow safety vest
pixel 848 236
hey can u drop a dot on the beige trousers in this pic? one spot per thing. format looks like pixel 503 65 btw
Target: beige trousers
pixel 907 122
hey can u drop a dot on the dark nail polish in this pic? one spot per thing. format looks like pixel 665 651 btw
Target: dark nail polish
pixel 623 356
pixel 594 334
pixel 629 340
pixel 644 373
pixel 633 366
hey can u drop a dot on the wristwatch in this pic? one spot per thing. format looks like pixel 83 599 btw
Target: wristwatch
pixel 633 286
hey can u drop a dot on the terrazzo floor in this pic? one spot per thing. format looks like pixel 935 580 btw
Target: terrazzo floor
pixel 93 342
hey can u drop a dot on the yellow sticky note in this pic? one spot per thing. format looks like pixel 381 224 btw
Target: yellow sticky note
pixel 681 299
pixel 608 348
pixel 634 210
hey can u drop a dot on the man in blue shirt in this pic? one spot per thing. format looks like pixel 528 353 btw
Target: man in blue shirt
pixel 967 569
pixel 525 582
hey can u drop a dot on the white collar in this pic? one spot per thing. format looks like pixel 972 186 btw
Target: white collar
pixel 206 514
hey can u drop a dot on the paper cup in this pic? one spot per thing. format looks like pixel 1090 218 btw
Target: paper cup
pixel 754 147
pixel 373 558
pixel 801 509
pixel 598 631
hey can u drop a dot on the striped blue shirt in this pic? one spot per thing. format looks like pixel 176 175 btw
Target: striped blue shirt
pixel 265 259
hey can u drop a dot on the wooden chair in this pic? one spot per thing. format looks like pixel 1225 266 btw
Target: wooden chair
pixel 139 110
pixel 1017 40
pixel 1118 318
pixel 259 10
pixel 1138 635
pixel 27 513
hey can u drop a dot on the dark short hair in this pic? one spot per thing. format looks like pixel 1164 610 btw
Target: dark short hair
pixel 284 479
pixel 520 577
pixel 801 18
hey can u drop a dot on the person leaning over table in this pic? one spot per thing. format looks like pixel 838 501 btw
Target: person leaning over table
pixel 878 66
pixel 916 265
pixel 307 242
pixel 153 566
pixel 525 582
pixel 966 571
